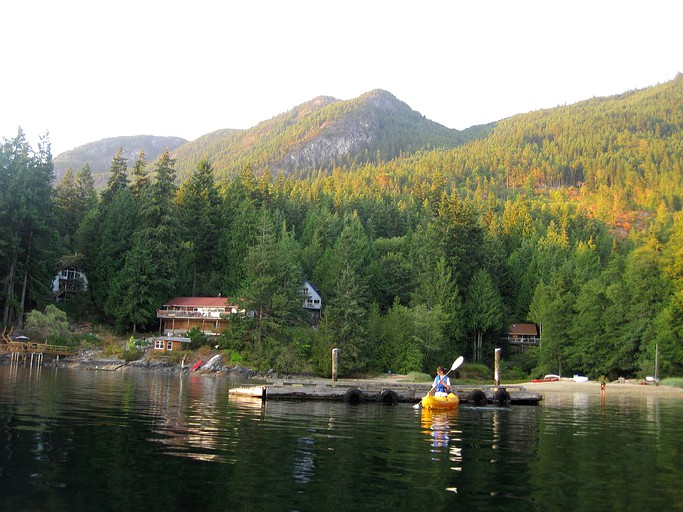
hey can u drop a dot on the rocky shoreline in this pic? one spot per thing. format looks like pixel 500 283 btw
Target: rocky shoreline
pixel 95 360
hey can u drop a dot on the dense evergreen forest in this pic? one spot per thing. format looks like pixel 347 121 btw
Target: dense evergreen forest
pixel 570 218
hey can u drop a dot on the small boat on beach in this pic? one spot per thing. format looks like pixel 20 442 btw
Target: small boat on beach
pixel 440 402
pixel 551 377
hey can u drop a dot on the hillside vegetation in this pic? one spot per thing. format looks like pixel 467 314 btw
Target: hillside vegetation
pixel 98 155
pixel 570 218
pixel 321 133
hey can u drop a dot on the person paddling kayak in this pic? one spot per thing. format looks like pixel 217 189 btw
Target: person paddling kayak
pixel 442 383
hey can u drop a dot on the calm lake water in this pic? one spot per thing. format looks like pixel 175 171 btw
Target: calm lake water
pixel 78 440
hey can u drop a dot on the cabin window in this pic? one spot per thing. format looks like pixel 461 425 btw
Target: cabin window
pixel 159 344
pixel 169 345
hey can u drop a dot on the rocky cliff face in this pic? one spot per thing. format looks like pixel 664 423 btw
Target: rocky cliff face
pixel 376 121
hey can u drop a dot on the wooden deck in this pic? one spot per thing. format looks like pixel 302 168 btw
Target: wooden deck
pixel 381 392
pixel 9 346
pixel 21 347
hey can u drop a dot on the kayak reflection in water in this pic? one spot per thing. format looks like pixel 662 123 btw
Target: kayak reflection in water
pixel 437 424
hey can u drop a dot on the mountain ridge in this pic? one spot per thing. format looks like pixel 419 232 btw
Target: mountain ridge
pixel 321 132
pixel 325 132
pixel 98 154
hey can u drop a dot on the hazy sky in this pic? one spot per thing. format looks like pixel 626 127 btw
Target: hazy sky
pixel 87 70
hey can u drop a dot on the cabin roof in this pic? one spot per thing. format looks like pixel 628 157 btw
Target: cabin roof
pixel 314 287
pixel 312 290
pixel 214 302
pixel 181 339
pixel 523 329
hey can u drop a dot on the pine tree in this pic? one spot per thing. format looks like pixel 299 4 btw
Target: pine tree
pixel 105 239
pixel 551 308
pixel 343 324
pixel 460 237
pixel 67 210
pixel 28 247
pixel 133 300
pixel 85 186
pixel 273 286
pixel 74 197
pixel 239 221
pixel 141 178
pixel 435 299
pixel 199 206
pixel 118 178
pixel 484 310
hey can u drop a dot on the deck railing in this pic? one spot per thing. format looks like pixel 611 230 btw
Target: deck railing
pixel 168 313
pixel 39 348
pixel 523 340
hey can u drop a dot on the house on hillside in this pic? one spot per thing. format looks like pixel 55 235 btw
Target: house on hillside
pixel 211 315
pixel 313 303
pixel 523 335
pixel 170 343
pixel 67 283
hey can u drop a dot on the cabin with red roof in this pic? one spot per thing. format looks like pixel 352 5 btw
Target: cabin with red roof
pixel 523 335
pixel 211 315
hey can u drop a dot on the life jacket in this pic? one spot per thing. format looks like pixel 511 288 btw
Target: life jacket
pixel 440 388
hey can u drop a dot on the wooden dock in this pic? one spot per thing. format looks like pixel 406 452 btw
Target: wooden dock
pixel 35 348
pixel 382 392
pixel 9 346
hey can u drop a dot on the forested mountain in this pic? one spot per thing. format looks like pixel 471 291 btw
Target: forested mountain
pixel 98 154
pixel 322 133
pixel 618 157
pixel 571 218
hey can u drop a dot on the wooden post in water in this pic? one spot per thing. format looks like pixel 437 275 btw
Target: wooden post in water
pixel 335 364
pixel 496 367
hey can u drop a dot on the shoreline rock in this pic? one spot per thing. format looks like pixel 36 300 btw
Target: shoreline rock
pixel 95 360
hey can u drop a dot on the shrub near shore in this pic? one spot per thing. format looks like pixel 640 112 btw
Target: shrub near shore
pixel 672 381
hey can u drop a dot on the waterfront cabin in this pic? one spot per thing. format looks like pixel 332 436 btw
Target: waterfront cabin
pixel 170 343
pixel 523 335
pixel 211 315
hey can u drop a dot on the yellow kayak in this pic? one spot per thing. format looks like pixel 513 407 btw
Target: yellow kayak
pixel 440 402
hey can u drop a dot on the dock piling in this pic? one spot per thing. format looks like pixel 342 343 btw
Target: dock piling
pixel 335 363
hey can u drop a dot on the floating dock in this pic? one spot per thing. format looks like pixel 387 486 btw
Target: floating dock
pixel 382 392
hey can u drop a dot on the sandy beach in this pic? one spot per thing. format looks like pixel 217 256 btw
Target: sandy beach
pixel 593 387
